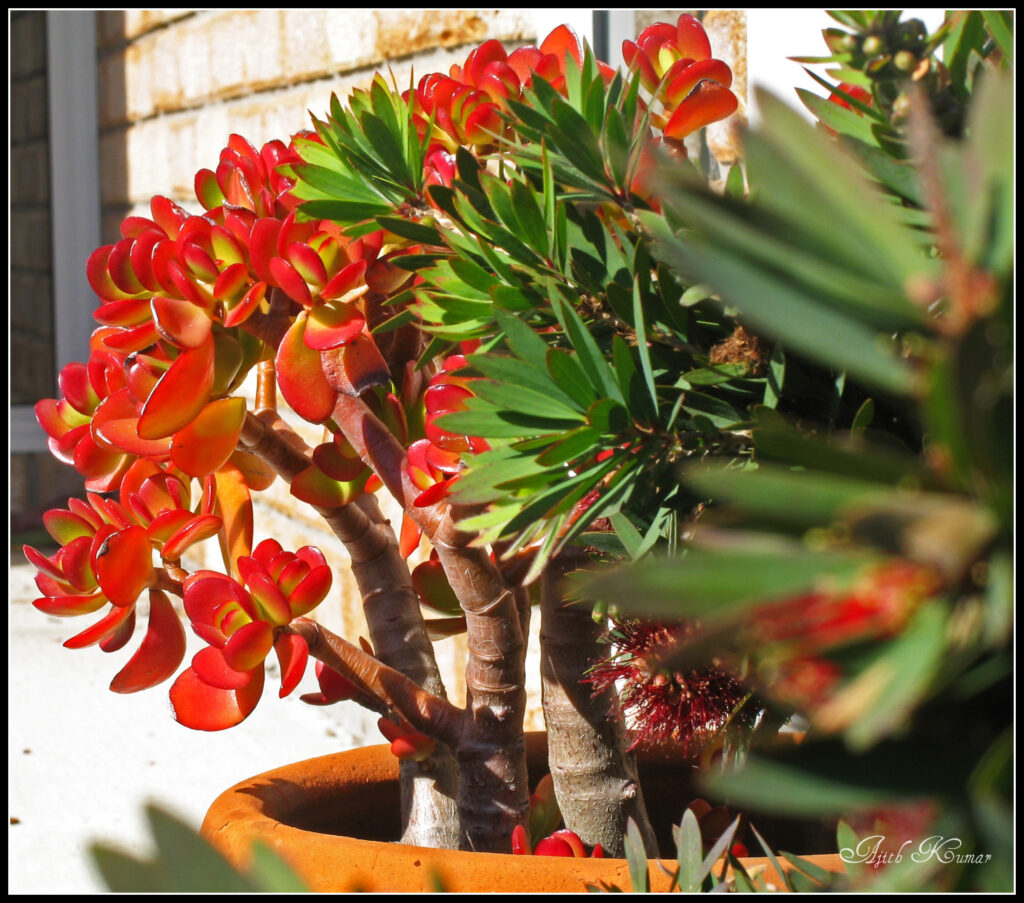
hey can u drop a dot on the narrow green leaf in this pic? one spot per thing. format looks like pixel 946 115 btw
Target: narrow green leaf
pixel 388 150
pixel 789 153
pixel 590 357
pixel 643 352
pixel 708 582
pixel 517 373
pixel 637 856
pixel 418 232
pixel 771 858
pixel 689 853
pixel 533 228
pixel 271 874
pixel 123 873
pixel 628 534
pixel 763 243
pixel 345 211
pixel 769 491
pixel 719 847
pixel 529 401
pixel 522 340
pixel 713 376
pixel 567 372
pixel 776 376
pixel 891 687
pixel 608 416
pixel 776 787
pixel 576 442
pixel 783 311
pixel 845 122
pixel 1000 26
pixel 491 424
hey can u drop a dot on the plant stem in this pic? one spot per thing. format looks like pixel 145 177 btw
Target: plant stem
pixel 399 637
pixel 425 712
pixel 397 629
pixel 493 787
pixel 595 778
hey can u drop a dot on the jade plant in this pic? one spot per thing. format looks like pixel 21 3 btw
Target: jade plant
pixel 506 296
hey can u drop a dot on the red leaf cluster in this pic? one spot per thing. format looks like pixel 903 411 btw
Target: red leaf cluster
pixel 241 622
pixel 106 558
pixel 675 65
pixel 464 107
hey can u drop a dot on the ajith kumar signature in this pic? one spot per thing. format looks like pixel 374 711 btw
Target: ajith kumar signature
pixel 873 851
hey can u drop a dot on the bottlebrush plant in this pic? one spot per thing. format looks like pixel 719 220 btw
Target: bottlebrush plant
pixel 476 287
pixel 857 566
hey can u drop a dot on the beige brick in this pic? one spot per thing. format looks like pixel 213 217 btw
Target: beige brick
pixel 28 43
pixel 114 166
pixel 29 109
pixel 30 173
pixel 401 32
pixel 260 44
pixel 31 292
pixel 112 89
pixel 21 487
pixel 727 31
pixel 141 21
pixel 31 238
pixel 32 368
pixel 350 37
pixel 305 44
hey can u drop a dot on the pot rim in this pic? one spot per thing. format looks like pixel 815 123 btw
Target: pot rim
pixel 261 806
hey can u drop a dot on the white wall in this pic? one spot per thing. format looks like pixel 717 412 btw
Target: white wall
pixel 774 35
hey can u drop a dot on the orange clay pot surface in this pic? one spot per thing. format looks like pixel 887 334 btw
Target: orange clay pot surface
pixel 335 819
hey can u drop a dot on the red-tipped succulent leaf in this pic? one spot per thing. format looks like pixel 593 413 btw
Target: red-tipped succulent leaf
pixel 161 651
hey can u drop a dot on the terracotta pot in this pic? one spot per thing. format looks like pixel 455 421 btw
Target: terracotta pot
pixel 335 818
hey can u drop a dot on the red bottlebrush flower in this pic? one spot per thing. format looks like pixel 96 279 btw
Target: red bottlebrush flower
pixel 891 829
pixel 879 604
pixel 793 641
pixel 686 708
pixel 802 682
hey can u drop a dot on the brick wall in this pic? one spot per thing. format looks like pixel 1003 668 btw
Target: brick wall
pixel 36 479
pixel 174 84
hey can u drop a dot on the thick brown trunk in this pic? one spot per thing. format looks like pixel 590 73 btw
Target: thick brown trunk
pixel 493 787
pixel 397 631
pixel 399 637
pixel 595 779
